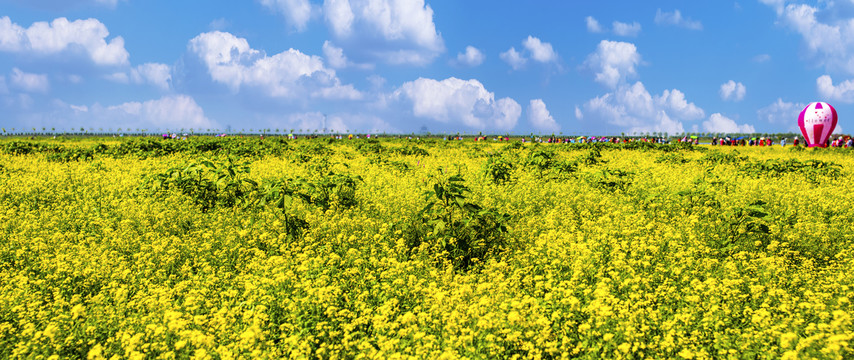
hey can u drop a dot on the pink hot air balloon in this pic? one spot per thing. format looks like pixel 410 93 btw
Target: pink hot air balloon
pixel 817 122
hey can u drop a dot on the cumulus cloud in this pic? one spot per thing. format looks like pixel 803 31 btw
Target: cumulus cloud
pixel 674 102
pixel 540 118
pixel 159 75
pixel 534 48
pixel 334 55
pixel 456 101
pixel 338 122
pixel 395 32
pixel 732 91
pixel 842 92
pixel 781 113
pixel 614 62
pixel 593 25
pixel 297 13
pixel 718 123
pixel 230 60
pixel 578 114
pixel 169 112
pixel 675 19
pixel 540 51
pixel 62 37
pixel 513 58
pixel 776 4
pixel 472 57
pixel 827 33
pixel 337 60
pixel 634 109
pixel 32 83
pixel 624 29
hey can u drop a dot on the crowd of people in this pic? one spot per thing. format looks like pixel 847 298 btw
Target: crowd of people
pixel 840 141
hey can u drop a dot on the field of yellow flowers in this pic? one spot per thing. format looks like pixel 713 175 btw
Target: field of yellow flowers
pixel 312 248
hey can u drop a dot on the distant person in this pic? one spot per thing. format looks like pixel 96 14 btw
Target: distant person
pixel 795 142
pixel 783 142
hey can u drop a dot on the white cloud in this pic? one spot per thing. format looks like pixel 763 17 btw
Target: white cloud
pixel 169 112
pixel 339 16
pixel 109 3
pixel 334 55
pixel 377 82
pixel 514 58
pixel 118 77
pixel 456 101
pixel 338 122
pixel 33 83
pixel 159 75
pixel 297 13
pixel 337 60
pixel 291 74
pixel 578 114
pixel 393 31
pixel 842 92
pixel 633 109
pixel 178 110
pixel 63 36
pixel 718 123
pixel 733 91
pixel 761 58
pixel 219 24
pixel 675 18
pixel 776 4
pixel 614 62
pixel 79 108
pixel 540 118
pixel 674 102
pixel 472 57
pixel 781 113
pixel 540 51
pixel 827 33
pixel 624 29
pixel 593 25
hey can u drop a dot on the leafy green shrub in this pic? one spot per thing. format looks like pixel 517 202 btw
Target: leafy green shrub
pixel 811 170
pixel 20 147
pixel 457 230
pixel 672 158
pixel 71 154
pixel 329 190
pixel 210 184
pixel 745 228
pixel 498 169
pixel 279 194
pixel 409 150
pixel 717 157
pixel 592 157
pixel 541 158
pixel 611 179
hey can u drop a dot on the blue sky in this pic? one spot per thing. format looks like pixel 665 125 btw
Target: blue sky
pixel 574 67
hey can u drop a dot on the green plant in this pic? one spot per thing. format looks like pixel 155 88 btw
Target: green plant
pixel 498 169
pixel 208 183
pixel 459 230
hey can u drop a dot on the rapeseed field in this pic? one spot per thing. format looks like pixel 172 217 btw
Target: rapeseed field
pixel 243 248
